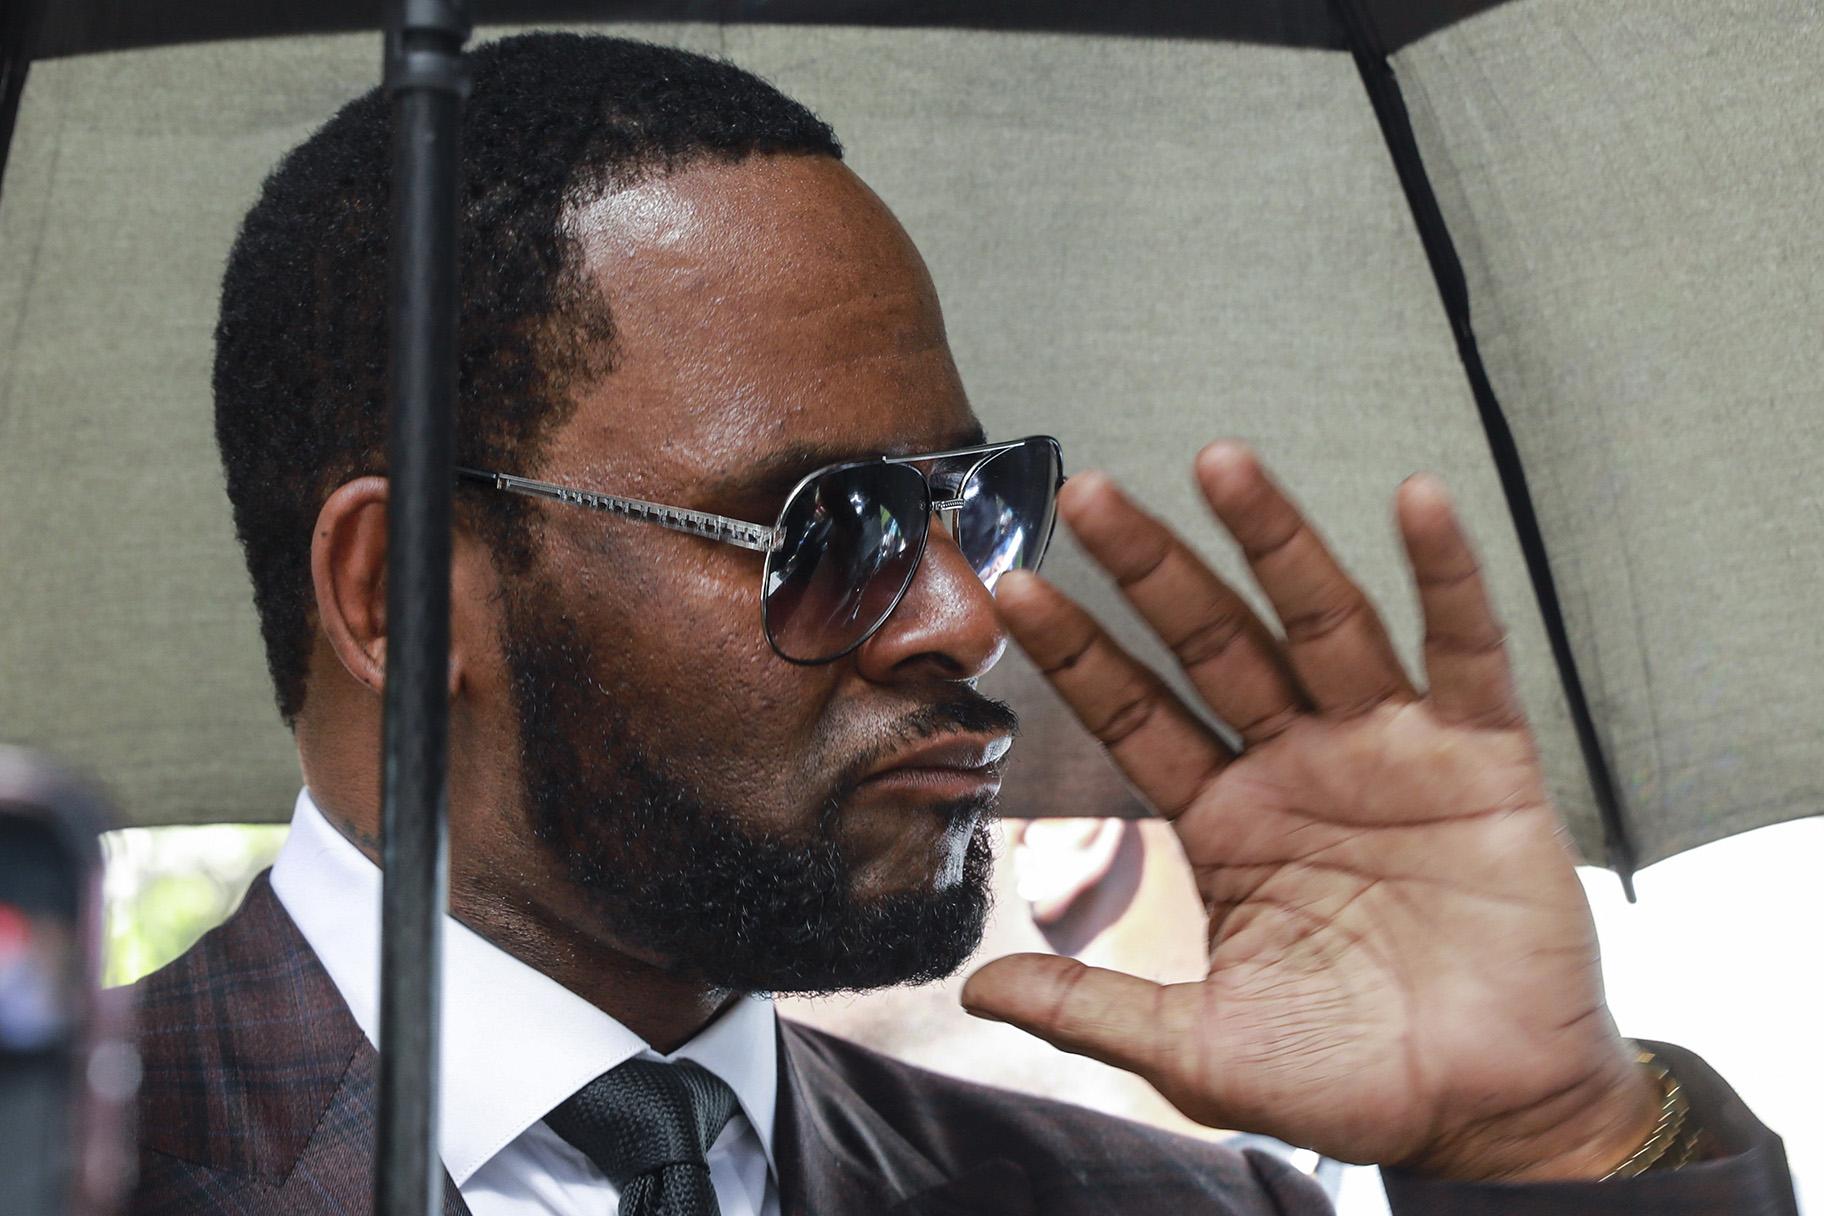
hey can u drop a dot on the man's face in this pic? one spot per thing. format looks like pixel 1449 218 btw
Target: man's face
pixel 705 804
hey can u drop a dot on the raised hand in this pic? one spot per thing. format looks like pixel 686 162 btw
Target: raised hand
pixel 1402 966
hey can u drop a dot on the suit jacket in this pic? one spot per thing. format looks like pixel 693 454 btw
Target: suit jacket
pixel 259 1100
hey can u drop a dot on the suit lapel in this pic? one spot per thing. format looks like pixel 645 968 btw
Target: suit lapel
pixel 246 1042
pixel 335 1171
pixel 255 1067
pixel 838 1151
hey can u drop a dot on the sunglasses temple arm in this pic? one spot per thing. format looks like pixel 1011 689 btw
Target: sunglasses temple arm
pixel 758 537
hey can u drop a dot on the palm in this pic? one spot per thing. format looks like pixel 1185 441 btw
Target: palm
pixel 1388 892
pixel 1353 890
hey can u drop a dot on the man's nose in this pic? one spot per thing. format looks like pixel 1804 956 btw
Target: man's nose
pixel 945 627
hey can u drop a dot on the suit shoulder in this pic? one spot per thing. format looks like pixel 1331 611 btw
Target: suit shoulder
pixel 959 1123
pixel 242 1041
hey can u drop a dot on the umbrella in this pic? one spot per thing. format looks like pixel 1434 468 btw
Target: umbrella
pixel 1563 252
pixel 1556 249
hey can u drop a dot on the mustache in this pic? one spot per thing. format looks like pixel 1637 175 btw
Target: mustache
pixel 959 713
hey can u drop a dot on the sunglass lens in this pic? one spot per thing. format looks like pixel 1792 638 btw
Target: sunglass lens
pixel 1009 504
pixel 851 541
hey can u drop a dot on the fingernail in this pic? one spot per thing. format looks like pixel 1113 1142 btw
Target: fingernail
pixel 1227 452
pixel 1429 483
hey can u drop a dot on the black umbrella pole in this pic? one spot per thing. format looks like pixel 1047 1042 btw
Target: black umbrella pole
pixel 425 81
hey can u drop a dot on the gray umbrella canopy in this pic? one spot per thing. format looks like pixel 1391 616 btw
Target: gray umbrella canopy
pixel 1564 252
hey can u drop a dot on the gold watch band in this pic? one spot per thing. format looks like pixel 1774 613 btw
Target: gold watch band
pixel 1674 1139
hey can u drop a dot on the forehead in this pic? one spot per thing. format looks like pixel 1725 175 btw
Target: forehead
pixel 768 306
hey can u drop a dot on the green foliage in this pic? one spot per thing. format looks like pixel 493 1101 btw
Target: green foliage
pixel 166 887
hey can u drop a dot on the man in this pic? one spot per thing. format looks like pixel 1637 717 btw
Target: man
pixel 685 774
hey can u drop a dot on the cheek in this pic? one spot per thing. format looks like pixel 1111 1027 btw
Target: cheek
pixel 685 648
pixel 668 598
pixel 695 624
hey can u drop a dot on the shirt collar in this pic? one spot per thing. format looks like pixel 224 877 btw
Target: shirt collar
pixel 515 1042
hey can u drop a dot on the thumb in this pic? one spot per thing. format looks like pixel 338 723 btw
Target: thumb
pixel 1109 1016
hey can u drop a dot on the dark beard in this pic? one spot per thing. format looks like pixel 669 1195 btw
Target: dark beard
pixel 677 878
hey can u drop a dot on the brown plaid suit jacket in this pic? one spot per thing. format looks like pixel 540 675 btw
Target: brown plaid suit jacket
pixel 259 1100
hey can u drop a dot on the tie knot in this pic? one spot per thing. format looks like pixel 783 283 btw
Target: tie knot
pixel 645 1115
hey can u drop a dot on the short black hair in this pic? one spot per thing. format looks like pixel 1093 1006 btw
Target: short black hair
pixel 301 342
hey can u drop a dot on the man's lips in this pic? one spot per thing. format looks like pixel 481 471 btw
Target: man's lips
pixel 951 767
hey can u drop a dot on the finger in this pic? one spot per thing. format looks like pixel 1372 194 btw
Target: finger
pixel 1118 1019
pixel 1335 641
pixel 1232 659
pixel 1466 662
pixel 1152 737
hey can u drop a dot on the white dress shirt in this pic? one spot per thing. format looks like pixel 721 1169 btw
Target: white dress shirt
pixel 516 1043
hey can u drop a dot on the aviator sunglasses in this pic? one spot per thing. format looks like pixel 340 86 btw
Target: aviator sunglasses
pixel 849 539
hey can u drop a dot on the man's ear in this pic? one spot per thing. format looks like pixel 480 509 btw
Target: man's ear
pixel 348 572
pixel 1077 876
pixel 1059 861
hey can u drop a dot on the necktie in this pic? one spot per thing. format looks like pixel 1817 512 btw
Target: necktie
pixel 648 1125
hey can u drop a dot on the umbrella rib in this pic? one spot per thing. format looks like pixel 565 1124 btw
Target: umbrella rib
pixel 1383 89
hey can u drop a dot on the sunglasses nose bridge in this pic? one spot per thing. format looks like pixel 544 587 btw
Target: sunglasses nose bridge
pixel 949 513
